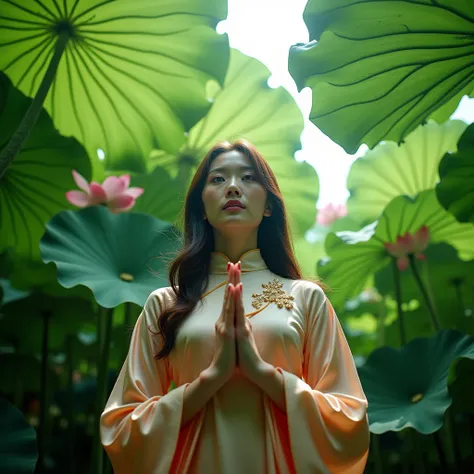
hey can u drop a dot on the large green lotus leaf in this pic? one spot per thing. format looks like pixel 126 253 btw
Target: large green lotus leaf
pixel 132 76
pixel 408 387
pixel 390 170
pixel 18 450
pixel 379 68
pixel 449 280
pixel 246 107
pixel 34 186
pixel 22 324
pixel 456 189
pixel 112 254
pixel 354 256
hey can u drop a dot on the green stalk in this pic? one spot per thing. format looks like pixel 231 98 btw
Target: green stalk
pixel 28 122
pixel 381 314
pixel 378 462
pixel 126 325
pixel 95 461
pixel 418 453
pixel 457 283
pixel 452 436
pixel 471 429
pixel 424 293
pixel 440 450
pixel 186 161
pixel 70 402
pixel 398 295
pixel 43 393
pixel 18 388
pixel 105 334
pixel 406 460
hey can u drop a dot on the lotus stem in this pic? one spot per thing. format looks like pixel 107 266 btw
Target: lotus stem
pixel 398 295
pixel 377 456
pixel 424 292
pixel 381 322
pixel 70 402
pixel 105 335
pixel 18 388
pixel 418 452
pixel 185 163
pixel 453 438
pixel 471 428
pixel 126 325
pixel 457 282
pixel 440 450
pixel 46 315
pixel 108 466
pixel 29 120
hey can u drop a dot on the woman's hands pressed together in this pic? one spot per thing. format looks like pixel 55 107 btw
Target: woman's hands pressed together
pixel 248 358
pixel 235 342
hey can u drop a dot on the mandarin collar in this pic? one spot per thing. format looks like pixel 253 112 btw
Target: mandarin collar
pixel 250 261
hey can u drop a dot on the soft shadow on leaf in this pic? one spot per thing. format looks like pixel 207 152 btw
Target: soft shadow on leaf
pixel 133 75
pixel 33 189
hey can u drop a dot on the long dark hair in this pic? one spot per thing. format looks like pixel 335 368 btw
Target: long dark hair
pixel 189 270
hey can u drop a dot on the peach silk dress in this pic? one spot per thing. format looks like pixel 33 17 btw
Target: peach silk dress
pixel 241 430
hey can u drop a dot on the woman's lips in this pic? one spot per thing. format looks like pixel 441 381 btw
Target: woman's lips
pixel 234 208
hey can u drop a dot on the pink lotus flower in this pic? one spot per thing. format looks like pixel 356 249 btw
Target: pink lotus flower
pixel 330 213
pixel 409 244
pixel 114 193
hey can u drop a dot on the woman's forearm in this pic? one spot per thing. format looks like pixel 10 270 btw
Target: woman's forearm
pixel 197 394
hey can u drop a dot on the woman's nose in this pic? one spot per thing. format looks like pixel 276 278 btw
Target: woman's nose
pixel 233 189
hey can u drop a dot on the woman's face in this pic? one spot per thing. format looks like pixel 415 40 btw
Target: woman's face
pixel 232 177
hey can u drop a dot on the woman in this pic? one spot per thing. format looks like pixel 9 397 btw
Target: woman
pixel 265 380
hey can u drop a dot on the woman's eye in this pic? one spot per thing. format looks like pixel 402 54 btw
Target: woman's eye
pixel 251 176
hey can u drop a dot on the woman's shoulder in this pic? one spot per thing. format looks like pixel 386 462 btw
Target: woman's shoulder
pixel 162 292
pixel 160 297
pixel 306 285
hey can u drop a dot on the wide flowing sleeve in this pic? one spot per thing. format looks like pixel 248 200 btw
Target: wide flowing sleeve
pixel 327 411
pixel 140 425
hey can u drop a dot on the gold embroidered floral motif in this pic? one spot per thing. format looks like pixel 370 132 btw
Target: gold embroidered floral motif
pixel 272 293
